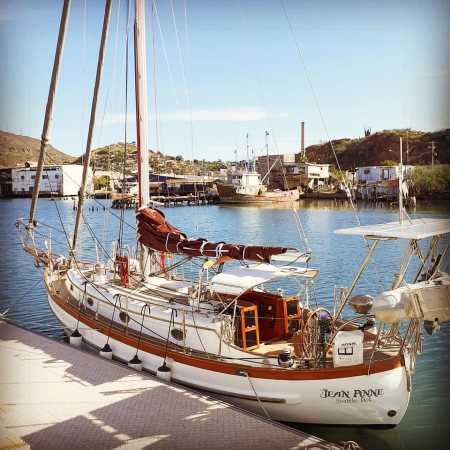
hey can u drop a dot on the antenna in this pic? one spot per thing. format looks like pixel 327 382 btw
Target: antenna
pixel 248 157
pixel 400 183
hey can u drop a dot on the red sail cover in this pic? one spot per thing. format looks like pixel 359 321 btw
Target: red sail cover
pixel 158 234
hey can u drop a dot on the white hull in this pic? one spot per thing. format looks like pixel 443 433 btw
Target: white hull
pixel 358 400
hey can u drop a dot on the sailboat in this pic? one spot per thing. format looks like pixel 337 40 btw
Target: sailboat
pixel 226 331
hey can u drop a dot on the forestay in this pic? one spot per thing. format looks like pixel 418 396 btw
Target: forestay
pixel 409 229
pixel 241 279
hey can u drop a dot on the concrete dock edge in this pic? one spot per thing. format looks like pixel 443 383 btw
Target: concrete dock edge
pixel 53 396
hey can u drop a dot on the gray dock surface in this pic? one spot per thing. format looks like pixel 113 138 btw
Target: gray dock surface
pixel 53 396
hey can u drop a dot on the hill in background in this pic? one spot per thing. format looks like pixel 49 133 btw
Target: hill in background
pixel 113 157
pixel 383 146
pixel 375 149
pixel 16 150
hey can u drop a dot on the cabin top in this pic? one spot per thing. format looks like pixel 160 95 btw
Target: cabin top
pixel 409 229
pixel 240 279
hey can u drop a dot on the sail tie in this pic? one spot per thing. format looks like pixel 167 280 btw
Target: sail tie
pixel 167 241
pixel 219 250
pixel 202 247
pixel 243 252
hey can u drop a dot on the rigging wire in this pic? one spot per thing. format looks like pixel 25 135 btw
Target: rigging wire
pixel 124 162
pixel 319 109
pixel 163 45
pixel 95 200
pixel 155 77
pixel 183 74
pixel 84 99
pixel 113 79
pixel 263 101
pixel 322 118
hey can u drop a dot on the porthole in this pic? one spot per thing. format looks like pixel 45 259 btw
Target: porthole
pixel 124 317
pixel 90 302
pixel 177 334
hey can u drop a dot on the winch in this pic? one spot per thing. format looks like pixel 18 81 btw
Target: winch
pixel 285 358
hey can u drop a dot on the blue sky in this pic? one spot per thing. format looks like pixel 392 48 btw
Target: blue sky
pixel 230 67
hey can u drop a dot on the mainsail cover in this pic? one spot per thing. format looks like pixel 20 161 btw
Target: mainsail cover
pixel 156 233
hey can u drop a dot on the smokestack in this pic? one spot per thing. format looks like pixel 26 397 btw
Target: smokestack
pixel 302 139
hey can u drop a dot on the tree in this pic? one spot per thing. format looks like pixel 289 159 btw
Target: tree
pixel 430 180
pixel 101 182
pixel 388 162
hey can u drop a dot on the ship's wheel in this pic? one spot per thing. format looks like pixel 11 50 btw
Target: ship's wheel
pixel 310 336
pixel 313 334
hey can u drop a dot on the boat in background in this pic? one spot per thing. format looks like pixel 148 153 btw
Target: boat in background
pixel 246 187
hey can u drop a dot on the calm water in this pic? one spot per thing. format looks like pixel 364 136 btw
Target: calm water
pixel 426 422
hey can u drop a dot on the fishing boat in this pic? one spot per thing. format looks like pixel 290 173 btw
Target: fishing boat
pixel 246 187
pixel 230 328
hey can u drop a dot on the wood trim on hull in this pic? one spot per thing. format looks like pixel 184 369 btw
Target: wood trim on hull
pixel 220 366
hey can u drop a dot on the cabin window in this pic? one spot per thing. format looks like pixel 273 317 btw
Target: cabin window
pixel 22 177
pixel 45 177
pixel 90 302
pixel 33 177
pixel 366 171
pixel 56 176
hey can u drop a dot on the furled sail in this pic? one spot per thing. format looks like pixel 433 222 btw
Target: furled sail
pixel 156 233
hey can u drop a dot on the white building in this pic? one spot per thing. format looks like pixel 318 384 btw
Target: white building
pixel 317 171
pixel 377 182
pixel 375 174
pixel 58 180
pixel 310 170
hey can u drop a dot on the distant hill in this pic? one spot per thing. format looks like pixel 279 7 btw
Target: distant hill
pixel 15 150
pixel 384 146
pixel 374 149
pixel 111 157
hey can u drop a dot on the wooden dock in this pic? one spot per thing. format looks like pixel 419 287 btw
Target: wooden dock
pixel 166 200
pixel 53 396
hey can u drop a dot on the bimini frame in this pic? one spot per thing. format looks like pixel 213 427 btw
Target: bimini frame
pixel 413 230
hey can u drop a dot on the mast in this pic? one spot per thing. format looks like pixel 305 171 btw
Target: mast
pixel 248 154
pixel 87 155
pixel 267 156
pixel 141 103
pixel 302 139
pixel 49 107
pixel 400 184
